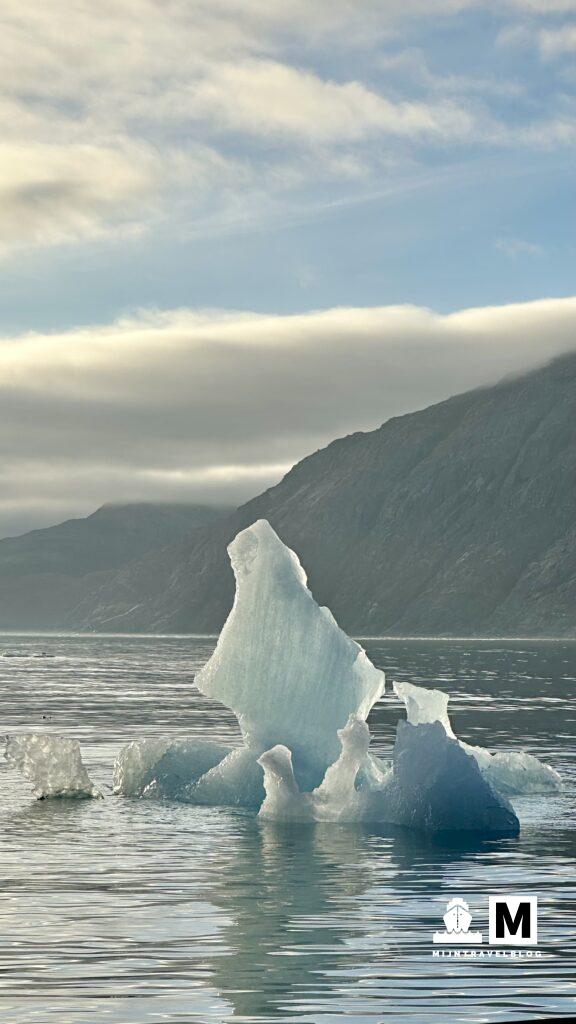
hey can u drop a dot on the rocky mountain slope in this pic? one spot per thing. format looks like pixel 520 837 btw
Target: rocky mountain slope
pixel 44 573
pixel 456 520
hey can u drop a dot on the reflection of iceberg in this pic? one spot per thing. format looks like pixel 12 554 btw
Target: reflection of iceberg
pixel 285 895
pixel 513 773
pixel 53 764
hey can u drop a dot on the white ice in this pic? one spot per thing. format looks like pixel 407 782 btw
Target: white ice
pixel 302 691
pixel 189 770
pixel 283 665
pixel 164 767
pixel 438 787
pixel 237 781
pixel 53 764
pixel 337 798
pixel 513 773
pixel 434 786
pixel 424 706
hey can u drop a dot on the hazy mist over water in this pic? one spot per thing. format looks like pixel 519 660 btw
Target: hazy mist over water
pixel 137 911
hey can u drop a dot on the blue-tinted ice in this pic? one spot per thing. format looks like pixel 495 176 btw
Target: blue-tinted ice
pixel 302 691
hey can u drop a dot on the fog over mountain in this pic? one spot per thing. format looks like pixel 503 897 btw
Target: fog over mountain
pixel 212 408
pixel 458 519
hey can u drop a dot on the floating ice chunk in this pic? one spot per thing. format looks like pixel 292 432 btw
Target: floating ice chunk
pixel 284 800
pixel 338 788
pixel 517 773
pixel 424 706
pixel 236 781
pixel 164 767
pixel 134 766
pixel 513 773
pixel 438 787
pixel 53 764
pixel 282 664
pixel 336 799
pixel 434 786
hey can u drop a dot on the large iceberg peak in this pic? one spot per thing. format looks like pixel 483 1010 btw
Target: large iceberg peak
pixel 282 664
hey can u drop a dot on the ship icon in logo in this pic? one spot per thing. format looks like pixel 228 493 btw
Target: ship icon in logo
pixel 458 920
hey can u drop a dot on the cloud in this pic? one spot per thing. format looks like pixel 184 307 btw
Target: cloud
pixel 53 193
pixel 554 40
pixel 514 247
pixel 546 7
pixel 413 65
pixel 267 98
pixel 557 42
pixel 117 115
pixel 215 406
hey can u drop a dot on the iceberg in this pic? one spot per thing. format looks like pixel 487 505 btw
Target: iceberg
pixel 424 706
pixel 516 772
pixel 282 664
pixel 189 770
pixel 337 798
pixel 237 781
pixel 434 786
pixel 437 786
pixel 53 764
pixel 512 773
pixel 302 692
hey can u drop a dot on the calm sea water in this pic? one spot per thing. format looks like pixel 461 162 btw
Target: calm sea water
pixel 129 912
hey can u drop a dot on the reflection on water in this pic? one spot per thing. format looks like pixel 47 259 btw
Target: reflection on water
pixel 133 912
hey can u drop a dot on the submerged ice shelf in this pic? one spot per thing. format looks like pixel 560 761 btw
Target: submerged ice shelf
pixel 302 692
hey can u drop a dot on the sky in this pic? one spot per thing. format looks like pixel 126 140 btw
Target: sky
pixel 232 230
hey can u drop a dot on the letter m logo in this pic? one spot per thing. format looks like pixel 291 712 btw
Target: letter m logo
pixel 512 920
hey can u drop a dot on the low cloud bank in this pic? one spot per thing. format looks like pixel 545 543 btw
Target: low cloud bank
pixel 215 406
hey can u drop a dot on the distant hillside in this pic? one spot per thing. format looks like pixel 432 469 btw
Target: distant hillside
pixel 456 520
pixel 42 573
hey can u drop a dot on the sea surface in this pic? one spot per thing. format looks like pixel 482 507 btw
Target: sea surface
pixel 133 911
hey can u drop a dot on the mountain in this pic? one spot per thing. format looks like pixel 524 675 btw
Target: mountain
pixel 455 520
pixel 45 573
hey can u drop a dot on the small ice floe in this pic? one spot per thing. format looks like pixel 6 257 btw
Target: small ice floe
pixel 53 764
